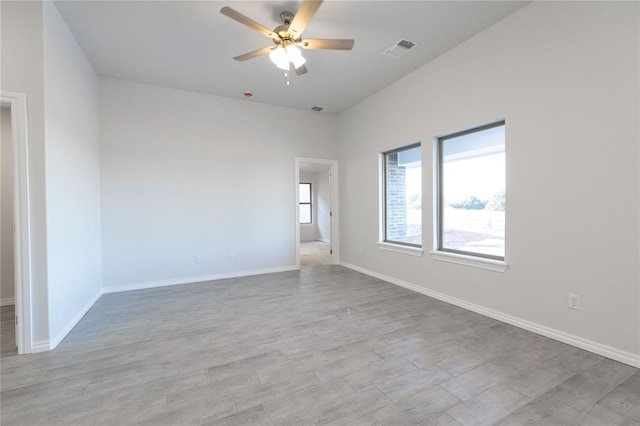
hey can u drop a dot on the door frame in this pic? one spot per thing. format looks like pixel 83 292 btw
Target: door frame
pixel 17 102
pixel 334 220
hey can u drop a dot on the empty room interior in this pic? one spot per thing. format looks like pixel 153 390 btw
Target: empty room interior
pixel 306 212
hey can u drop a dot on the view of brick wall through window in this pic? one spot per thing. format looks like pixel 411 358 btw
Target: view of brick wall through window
pixel 396 199
pixel 403 195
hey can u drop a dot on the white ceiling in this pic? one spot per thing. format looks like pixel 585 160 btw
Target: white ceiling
pixel 189 45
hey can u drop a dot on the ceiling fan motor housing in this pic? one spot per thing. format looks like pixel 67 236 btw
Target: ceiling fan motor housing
pixel 283 30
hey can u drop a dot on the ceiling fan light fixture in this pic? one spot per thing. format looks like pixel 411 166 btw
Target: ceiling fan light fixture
pixel 297 63
pixel 279 57
pixel 295 56
pixel 288 37
pixel 283 65
pixel 293 52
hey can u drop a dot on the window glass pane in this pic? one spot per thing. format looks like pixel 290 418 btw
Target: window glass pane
pixel 403 196
pixel 305 192
pixel 473 192
pixel 305 213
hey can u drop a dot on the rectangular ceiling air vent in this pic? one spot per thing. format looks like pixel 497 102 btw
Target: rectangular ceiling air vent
pixel 316 108
pixel 399 49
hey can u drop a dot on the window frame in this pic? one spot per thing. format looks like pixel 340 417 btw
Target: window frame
pixel 385 243
pixel 492 262
pixel 310 203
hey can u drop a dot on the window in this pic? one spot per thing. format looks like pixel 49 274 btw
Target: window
pixel 402 196
pixel 471 192
pixel 305 203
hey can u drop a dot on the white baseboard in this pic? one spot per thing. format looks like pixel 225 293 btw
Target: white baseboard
pixel 74 321
pixel 561 336
pixel 197 279
pixel 46 345
pixel 40 346
pixel 7 302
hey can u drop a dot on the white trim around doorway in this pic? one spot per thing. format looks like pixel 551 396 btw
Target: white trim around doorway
pixel 17 102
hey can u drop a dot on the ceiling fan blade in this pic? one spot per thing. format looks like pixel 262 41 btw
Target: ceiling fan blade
pixel 326 43
pixel 302 17
pixel 244 20
pixel 302 69
pixel 254 53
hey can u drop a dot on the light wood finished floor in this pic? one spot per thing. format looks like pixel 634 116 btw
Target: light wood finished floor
pixel 314 253
pixel 324 345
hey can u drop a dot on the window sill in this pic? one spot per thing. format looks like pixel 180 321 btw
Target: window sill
pixel 398 248
pixel 476 262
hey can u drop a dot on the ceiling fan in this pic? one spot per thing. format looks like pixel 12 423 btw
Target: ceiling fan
pixel 287 38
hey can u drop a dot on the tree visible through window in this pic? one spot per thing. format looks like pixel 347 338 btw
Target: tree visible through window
pixel 471 192
pixel 403 195
pixel 305 203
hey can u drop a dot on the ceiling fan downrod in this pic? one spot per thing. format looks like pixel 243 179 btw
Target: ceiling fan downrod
pixel 286 17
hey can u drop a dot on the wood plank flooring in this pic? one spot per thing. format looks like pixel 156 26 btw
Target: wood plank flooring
pixel 314 253
pixel 324 345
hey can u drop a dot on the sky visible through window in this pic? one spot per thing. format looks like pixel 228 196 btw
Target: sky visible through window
pixel 473 185
pixel 305 202
pixel 481 177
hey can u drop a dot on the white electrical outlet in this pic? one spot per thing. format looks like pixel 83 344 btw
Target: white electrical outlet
pixel 197 259
pixel 574 301
pixel 230 255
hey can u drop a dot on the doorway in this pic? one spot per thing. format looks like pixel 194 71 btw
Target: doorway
pixel 316 212
pixel 19 321
pixel 7 276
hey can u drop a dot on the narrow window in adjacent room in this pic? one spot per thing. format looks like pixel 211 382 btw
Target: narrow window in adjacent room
pixel 470 217
pixel 305 203
pixel 402 195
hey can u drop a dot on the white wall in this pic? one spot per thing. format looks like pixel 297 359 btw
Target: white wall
pixel 309 231
pixel 565 77
pixel 7 285
pixel 186 174
pixel 72 176
pixel 323 205
pixel 23 72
